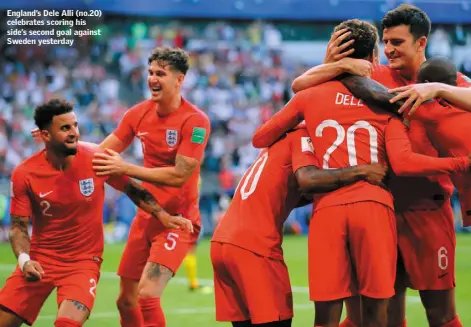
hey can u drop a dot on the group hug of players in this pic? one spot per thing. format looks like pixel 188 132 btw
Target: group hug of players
pixel 377 161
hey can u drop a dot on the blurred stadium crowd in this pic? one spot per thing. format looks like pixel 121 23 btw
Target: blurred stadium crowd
pixel 240 75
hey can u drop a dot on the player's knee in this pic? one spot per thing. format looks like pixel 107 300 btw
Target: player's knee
pixel 146 291
pixel 66 322
pixel 125 302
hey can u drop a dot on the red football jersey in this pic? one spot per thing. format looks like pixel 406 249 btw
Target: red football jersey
pixel 417 193
pixel 345 133
pixel 65 207
pixel 184 132
pixel 265 196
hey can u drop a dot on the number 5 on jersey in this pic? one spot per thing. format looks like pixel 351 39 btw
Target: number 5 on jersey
pixel 171 241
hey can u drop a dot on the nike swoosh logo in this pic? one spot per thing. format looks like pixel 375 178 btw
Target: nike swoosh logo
pixel 43 195
pixel 441 276
pixel 141 133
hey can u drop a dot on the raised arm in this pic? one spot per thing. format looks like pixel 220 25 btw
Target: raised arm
pixel 147 202
pixel 415 94
pixel 314 180
pixel 328 71
pixel 374 94
pixel 283 121
pixel 405 162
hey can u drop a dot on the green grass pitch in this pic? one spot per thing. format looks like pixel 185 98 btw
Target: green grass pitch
pixel 184 308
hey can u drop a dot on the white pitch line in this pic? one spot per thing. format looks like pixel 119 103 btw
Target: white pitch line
pixel 182 311
pixel 204 282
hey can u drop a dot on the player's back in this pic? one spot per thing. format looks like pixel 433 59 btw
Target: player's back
pixel 66 207
pixel 345 132
pixel 266 194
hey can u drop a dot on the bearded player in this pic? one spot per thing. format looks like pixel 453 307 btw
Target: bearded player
pixel 59 192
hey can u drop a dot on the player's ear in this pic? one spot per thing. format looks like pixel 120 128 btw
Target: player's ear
pixel 45 135
pixel 180 79
pixel 422 43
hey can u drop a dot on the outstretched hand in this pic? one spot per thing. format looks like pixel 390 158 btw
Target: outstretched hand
pixel 109 163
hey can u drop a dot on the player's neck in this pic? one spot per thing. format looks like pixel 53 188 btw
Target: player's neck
pixel 57 161
pixel 410 73
pixel 167 107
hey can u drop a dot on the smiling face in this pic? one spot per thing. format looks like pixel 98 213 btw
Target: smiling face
pixel 401 48
pixel 163 81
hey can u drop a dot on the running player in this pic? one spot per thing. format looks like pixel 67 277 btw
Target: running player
pixel 59 192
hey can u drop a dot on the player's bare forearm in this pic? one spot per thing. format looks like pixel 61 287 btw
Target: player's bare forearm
pixel 318 75
pixel 314 180
pixel 143 199
pixel 114 143
pixel 170 176
pixel 18 235
pixel 373 94
pixel 460 97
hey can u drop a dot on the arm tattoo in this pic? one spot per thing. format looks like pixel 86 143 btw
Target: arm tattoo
pixel 155 271
pixel 374 94
pixel 185 166
pixel 18 235
pixel 79 305
pixel 142 198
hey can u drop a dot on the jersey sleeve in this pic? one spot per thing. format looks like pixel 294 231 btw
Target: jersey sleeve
pixel 20 200
pixel 125 129
pixel 118 182
pixel 195 134
pixel 405 162
pixel 283 121
pixel 463 80
pixel 302 151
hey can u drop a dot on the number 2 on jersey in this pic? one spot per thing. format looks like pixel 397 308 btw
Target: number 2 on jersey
pixel 350 134
pixel 45 206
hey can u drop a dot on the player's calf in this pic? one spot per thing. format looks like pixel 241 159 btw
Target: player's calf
pixel 374 312
pixel 353 306
pixel 66 322
pixel 71 310
pixel 9 319
pixel 128 305
pixel 328 313
pixel 151 286
pixel 440 308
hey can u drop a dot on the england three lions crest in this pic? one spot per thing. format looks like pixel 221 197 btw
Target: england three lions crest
pixel 172 137
pixel 87 186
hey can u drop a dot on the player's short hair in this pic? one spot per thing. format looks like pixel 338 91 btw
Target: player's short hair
pixel 417 20
pixel 438 69
pixel 364 34
pixel 175 57
pixel 45 112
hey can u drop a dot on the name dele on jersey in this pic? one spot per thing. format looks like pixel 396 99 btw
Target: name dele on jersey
pixel 347 100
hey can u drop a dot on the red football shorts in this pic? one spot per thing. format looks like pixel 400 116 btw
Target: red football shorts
pixel 352 250
pixel 427 245
pixel 150 241
pixel 74 282
pixel 250 287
